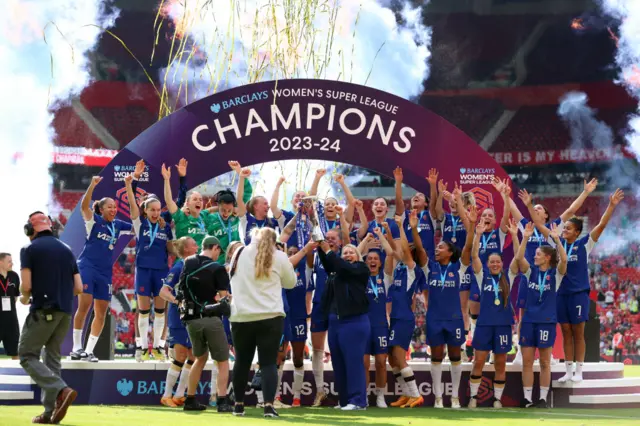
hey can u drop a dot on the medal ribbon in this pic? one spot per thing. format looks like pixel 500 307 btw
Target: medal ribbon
pixel 153 232
pixel 496 287
pixel 454 225
pixel 443 276
pixel 570 249
pixel 111 226
pixel 541 283
pixel 226 227
pixel 486 240
pixel 374 286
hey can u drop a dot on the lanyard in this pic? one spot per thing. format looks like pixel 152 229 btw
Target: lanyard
pixel 454 225
pixel 333 225
pixel 5 287
pixel 200 224
pixel 153 232
pixel 112 230
pixel 443 276
pixel 537 234
pixel 486 240
pixel 496 287
pixel 374 287
pixel 570 249
pixel 226 228
pixel 258 225
pixel 541 283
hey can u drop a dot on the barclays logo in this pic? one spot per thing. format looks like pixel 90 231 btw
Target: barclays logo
pixel 239 100
pixel 215 108
pixel 463 170
pixel 124 387
pixel 116 168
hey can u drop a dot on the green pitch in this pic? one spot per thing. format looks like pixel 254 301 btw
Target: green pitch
pixel 160 416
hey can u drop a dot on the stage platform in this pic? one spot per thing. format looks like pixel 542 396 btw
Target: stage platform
pixel 126 382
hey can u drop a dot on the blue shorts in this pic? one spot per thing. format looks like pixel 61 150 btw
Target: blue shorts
pixel 286 331
pixel 149 281
pixel 298 329
pixel 378 341
pixel 319 321
pixel 495 338
pixel 538 335
pixel 467 279
pixel 446 332
pixel 96 283
pixel 401 332
pixel 227 330
pixel 573 308
pixel 179 336
pixel 523 289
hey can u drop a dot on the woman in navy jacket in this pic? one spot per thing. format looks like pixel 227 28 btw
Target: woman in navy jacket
pixel 346 304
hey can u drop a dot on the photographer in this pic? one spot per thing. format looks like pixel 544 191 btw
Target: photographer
pixel 50 278
pixel 203 281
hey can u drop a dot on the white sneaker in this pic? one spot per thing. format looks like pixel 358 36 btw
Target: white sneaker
pixel 380 402
pixel 554 361
pixel 577 378
pixel 455 402
pixel 438 403
pixel 138 355
pixel 497 404
pixel 280 405
pixel 565 378
pixel 352 407
pixel 518 359
pixel 473 403
pixel 338 407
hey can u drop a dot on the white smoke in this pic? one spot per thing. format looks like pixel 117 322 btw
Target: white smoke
pixel 585 129
pixel 43 47
pixel 359 41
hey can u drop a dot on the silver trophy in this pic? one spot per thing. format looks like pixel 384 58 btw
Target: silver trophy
pixel 311 208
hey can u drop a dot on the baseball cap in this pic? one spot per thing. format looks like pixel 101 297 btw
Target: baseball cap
pixel 210 240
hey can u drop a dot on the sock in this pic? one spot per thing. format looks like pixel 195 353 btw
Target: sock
pixel 498 388
pixel 163 342
pixel 298 377
pixel 579 368
pixel 379 392
pixel 456 375
pixel 158 328
pixel 77 339
pixel 138 342
pixel 317 364
pixel 91 343
pixel 569 366
pixel 172 377
pixel 528 392
pixel 143 327
pixel 260 397
pixel 400 380
pixel 474 384
pixel 410 381
pixel 436 378
pixel 184 381
pixel 280 372
pixel 214 381
pixel 544 391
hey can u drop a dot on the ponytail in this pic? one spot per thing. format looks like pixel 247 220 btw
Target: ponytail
pixel 97 205
pixel 505 289
pixel 266 238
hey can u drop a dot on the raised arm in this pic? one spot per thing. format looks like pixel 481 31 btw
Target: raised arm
pixel 344 224
pixel 168 197
pixel 85 207
pixel 506 196
pixel 589 187
pixel 475 250
pixel 350 198
pixel 316 181
pixel 273 205
pixel 134 211
pixel 515 242
pixel 442 189
pixel 364 223
pixel 302 254
pixel 433 191
pixel 523 264
pixel 421 254
pixel 288 230
pixel 462 212
pixel 365 245
pixel 242 207
pixel 537 220
pixel 181 167
pixel 397 175
pixel 397 251
pixel 472 218
pixel 407 259
pixel 614 200
pixel 562 253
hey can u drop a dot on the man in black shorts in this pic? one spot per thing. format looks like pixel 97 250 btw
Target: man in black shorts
pixel 203 282
pixel 9 291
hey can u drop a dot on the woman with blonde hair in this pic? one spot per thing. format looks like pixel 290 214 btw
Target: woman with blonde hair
pixel 258 273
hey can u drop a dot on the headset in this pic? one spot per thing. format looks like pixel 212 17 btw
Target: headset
pixel 29 230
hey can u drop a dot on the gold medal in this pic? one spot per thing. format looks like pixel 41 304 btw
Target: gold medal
pixel 454 239
pixel 496 302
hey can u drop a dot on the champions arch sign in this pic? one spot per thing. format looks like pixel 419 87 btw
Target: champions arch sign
pixel 299 119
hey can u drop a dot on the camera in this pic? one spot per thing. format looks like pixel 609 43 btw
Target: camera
pixel 220 309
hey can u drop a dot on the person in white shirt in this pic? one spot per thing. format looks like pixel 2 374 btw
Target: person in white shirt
pixel 258 272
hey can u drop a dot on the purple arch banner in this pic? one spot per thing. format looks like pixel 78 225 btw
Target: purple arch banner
pixel 299 119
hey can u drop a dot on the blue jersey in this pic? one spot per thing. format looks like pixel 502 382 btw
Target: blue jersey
pixel 297 296
pixel 377 294
pixel 248 222
pixel 353 237
pixel 403 285
pixel 425 230
pixel 443 283
pixel 171 281
pixel 393 227
pixel 540 302
pixel 285 302
pixel 332 224
pixel 536 240
pixel 491 242
pixel 284 219
pixel 577 278
pixel 151 244
pixel 101 239
pixel 320 279
pixel 453 230
pixel 489 286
